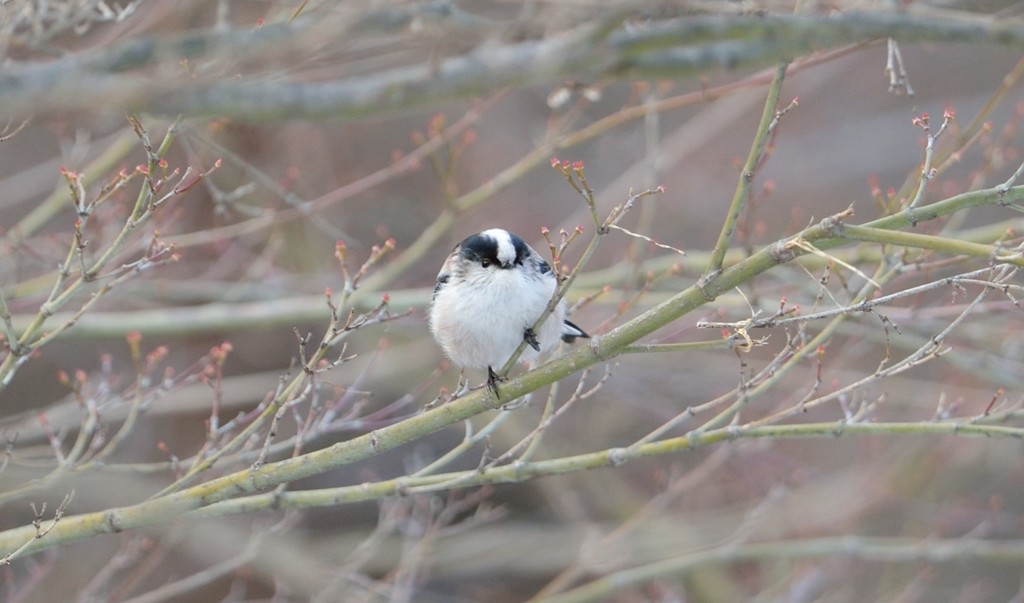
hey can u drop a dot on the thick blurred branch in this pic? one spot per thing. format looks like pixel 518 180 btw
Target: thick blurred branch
pixel 881 550
pixel 147 74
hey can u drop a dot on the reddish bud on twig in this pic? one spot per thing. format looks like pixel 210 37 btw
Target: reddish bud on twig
pixel 219 353
pixel 874 185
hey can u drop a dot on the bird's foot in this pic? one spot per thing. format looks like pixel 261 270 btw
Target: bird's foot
pixel 492 380
pixel 531 338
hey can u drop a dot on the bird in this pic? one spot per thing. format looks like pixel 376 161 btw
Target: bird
pixel 489 293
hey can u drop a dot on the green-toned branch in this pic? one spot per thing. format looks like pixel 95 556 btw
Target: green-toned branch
pixel 527 470
pixel 72 528
pixel 921 241
pixel 601 348
pixel 769 116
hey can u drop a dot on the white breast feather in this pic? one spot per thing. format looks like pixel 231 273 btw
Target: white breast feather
pixel 482 324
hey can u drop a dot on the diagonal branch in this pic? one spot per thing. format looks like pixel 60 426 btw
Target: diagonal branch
pixel 604 347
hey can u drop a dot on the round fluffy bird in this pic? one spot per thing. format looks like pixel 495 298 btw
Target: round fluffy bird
pixel 489 293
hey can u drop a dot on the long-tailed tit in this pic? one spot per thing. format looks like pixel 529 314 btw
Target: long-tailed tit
pixel 489 293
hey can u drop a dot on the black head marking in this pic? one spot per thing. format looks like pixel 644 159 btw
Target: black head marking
pixel 495 247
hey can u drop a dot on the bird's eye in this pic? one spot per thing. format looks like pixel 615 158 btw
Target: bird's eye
pixel 485 262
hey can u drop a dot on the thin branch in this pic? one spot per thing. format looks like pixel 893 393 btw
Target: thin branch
pixel 865 305
pixel 769 117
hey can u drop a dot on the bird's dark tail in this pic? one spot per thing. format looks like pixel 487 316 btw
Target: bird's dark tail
pixel 571 332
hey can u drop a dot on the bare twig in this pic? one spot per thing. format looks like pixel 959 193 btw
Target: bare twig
pixel 37 524
pixel 899 83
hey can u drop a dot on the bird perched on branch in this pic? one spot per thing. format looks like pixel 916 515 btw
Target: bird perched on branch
pixel 489 294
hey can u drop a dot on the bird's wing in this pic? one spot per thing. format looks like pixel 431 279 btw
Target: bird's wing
pixel 443 275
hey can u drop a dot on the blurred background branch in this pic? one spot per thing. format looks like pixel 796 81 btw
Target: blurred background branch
pixel 236 72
